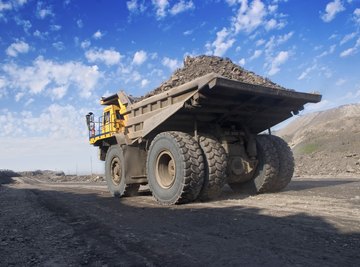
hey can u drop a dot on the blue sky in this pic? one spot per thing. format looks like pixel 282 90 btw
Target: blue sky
pixel 59 57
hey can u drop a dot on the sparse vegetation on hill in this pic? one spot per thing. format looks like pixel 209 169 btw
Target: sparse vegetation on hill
pixel 326 142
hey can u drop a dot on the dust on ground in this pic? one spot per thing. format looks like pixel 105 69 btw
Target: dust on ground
pixel 314 222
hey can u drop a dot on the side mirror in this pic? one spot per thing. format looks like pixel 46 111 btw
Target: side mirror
pixel 89 119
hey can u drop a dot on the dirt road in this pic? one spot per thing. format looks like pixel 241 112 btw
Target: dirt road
pixel 314 222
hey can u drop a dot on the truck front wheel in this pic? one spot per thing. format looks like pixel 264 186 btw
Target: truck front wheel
pixel 115 173
pixel 175 168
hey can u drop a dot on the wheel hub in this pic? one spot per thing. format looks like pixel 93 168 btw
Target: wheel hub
pixel 165 169
pixel 116 171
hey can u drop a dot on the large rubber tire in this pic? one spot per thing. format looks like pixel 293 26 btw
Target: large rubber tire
pixel 266 171
pixel 115 173
pixel 286 163
pixel 175 168
pixel 215 159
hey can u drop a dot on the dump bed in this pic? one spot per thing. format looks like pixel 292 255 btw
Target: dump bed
pixel 214 100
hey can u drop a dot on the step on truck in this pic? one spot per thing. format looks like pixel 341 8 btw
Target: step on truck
pixel 188 142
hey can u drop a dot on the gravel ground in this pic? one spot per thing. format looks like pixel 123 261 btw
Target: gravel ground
pixel 314 222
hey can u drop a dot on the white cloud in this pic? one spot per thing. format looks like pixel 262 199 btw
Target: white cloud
pixel 249 17
pixel 98 35
pixel 221 44
pixel 139 57
pixel 351 51
pixel 332 9
pixel 260 42
pixel 340 82
pixel 135 7
pixel 132 5
pixel 324 104
pixel 327 52
pixel 348 37
pixel 333 36
pixel 351 95
pixel 46 74
pixel 5 6
pixel 182 6
pixel 172 64
pixel 144 82
pixel 3 88
pixel 319 70
pixel 231 2
pixel 109 57
pixel 55 27
pixel 348 52
pixel 272 8
pixel 18 96
pixel 276 41
pixel 30 100
pixel 26 24
pixel 242 62
pixel 284 38
pixel 277 61
pixel 17 48
pixel 153 55
pixel 11 4
pixel 41 35
pixel 357 15
pixel 59 45
pixel 130 76
pixel 160 6
pixel 188 32
pixel 55 121
pixel 273 24
pixel 85 44
pixel 256 54
pixel 43 12
pixel 80 23
pixel 59 92
pixel 306 72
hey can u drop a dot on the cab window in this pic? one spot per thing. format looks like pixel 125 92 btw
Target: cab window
pixel 119 116
pixel 107 117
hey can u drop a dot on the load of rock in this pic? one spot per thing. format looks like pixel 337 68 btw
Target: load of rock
pixel 195 67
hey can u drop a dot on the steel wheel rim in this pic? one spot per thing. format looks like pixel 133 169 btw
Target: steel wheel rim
pixel 165 170
pixel 116 171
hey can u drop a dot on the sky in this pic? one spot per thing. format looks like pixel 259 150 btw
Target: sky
pixel 57 58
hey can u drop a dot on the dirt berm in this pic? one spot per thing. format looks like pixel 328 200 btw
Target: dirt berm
pixel 195 67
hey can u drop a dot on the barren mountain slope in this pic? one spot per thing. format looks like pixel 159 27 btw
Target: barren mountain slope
pixel 326 142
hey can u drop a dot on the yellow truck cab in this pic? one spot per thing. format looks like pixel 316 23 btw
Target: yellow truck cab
pixel 112 121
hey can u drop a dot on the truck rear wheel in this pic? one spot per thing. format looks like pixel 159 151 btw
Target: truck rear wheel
pixel 115 173
pixel 267 169
pixel 175 168
pixel 286 163
pixel 215 167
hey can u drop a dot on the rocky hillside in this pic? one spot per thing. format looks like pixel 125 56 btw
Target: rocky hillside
pixel 326 142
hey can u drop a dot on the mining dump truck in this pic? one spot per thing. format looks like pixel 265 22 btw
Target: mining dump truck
pixel 188 142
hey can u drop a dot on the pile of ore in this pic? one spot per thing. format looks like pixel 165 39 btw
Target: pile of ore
pixel 195 67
